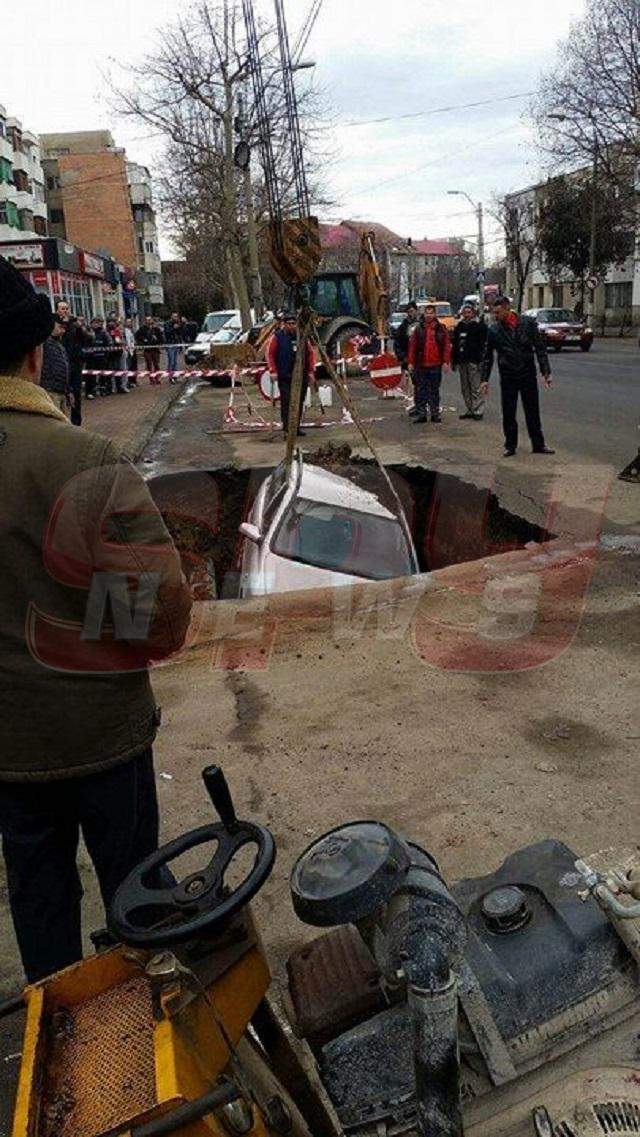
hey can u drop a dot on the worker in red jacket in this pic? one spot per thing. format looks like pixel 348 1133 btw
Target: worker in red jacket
pixel 281 358
pixel 428 356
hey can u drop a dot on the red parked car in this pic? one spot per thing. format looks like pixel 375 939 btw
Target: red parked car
pixel 562 328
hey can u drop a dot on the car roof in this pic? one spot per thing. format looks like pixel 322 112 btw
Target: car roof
pixel 318 484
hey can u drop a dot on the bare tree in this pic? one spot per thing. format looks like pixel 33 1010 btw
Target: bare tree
pixel 593 92
pixel 190 89
pixel 517 215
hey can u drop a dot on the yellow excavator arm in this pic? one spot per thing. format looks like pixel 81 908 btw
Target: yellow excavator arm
pixel 373 293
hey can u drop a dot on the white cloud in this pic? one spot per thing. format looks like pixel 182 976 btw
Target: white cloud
pixel 376 59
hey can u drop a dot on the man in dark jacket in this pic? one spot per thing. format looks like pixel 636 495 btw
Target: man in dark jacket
pixel 173 337
pixel 55 367
pixel 281 358
pixel 401 336
pixel 517 343
pixel 101 357
pixel 92 591
pixel 469 341
pixel 429 354
pixel 76 337
pixel 149 337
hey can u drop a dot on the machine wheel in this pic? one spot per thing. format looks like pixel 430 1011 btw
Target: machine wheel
pixel 339 340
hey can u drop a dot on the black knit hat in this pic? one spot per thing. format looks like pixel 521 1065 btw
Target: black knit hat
pixel 26 319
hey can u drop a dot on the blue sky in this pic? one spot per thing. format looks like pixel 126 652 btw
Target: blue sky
pixel 375 59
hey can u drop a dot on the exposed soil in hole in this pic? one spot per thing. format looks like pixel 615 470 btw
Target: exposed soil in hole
pixel 451 520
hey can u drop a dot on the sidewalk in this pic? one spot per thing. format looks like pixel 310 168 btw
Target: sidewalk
pixel 131 419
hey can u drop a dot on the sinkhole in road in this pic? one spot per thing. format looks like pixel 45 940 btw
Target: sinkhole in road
pixel 451 520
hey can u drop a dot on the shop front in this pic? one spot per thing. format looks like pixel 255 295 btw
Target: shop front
pixel 90 284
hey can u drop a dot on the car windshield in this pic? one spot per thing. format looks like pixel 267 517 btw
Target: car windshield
pixel 443 309
pixel 557 316
pixel 213 321
pixel 343 540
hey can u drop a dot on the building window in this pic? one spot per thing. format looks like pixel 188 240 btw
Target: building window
pixel 3 129
pixel 141 244
pixel 530 292
pixel 558 295
pixel 541 296
pixel 5 170
pixel 618 295
pixel 56 216
pixel 148 246
pixel 53 182
pixel 21 181
pixel 13 217
pixel 40 226
pixel 4 219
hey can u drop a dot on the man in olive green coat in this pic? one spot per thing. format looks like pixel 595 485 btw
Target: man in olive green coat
pixel 91 591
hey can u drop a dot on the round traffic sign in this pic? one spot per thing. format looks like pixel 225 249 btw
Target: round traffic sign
pixel 268 387
pixel 385 371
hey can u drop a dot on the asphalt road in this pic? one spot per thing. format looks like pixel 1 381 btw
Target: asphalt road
pixel 594 407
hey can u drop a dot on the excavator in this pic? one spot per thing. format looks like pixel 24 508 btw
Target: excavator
pixel 502 1005
pixel 347 305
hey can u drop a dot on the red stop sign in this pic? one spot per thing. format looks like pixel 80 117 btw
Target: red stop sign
pixel 385 371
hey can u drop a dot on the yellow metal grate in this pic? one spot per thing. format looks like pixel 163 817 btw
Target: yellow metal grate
pixel 99 1064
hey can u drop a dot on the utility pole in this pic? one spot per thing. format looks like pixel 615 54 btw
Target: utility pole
pixel 478 210
pixel 242 158
pixel 594 224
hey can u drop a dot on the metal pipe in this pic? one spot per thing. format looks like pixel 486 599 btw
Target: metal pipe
pixel 186 1114
pixel 434 1015
pixel 12 1004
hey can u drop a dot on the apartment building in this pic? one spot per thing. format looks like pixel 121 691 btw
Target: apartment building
pixel 616 299
pixel 23 210
pixel 149 274
pixel 88 193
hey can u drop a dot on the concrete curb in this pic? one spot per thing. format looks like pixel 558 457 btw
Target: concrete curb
pixel 144 430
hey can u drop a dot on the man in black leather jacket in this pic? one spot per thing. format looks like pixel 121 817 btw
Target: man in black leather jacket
pixel 517 343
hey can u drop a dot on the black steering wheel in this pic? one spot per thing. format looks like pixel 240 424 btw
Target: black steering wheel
pixel 147 911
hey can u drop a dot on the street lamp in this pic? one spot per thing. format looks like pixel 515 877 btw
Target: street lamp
pixel 477 209
pixel 560 117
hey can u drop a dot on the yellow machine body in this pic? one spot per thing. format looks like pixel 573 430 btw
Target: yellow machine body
pixel 101 1054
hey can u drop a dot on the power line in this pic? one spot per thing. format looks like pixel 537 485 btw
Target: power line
pixel 306 30
pixel 440 110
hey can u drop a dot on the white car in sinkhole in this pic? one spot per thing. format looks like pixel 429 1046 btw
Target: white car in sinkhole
pixel 313 528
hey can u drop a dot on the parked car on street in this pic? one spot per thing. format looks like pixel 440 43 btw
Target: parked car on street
pixel 199 351
pixel 311 528
pixel 562 328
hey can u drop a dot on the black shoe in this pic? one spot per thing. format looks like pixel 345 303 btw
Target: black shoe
pixel 301 434
pixel 477 418
pixel 467 414
pixel 419 418
pixel 543 450
pixel 436 418
pixel 508 452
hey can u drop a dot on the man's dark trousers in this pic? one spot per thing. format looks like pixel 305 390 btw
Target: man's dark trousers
pixel 428 380
pixel 284 385
pixel 117 812
pixel 525 385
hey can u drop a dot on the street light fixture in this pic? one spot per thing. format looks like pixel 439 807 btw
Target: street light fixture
pixel 477 209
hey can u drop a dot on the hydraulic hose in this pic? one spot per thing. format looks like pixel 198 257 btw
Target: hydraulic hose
pixel 434 1014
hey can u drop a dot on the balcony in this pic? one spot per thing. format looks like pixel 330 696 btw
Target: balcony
pixel 21 161
pixel 140 194
pixel 39 208
pixel 6 149
pixel 23 199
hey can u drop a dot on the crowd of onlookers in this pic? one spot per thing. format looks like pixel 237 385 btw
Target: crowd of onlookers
pixel 76 348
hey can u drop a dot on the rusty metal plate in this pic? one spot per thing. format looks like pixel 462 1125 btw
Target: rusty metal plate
pixel 333 982
pixel 99 1063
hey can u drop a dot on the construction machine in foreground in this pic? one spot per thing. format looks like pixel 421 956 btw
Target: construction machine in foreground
pixel 502 1005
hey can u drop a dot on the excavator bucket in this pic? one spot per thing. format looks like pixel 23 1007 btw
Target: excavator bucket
pixel 295 248
pixel 631 473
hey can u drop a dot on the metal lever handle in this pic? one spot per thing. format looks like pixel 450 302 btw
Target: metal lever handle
pixel 220 795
